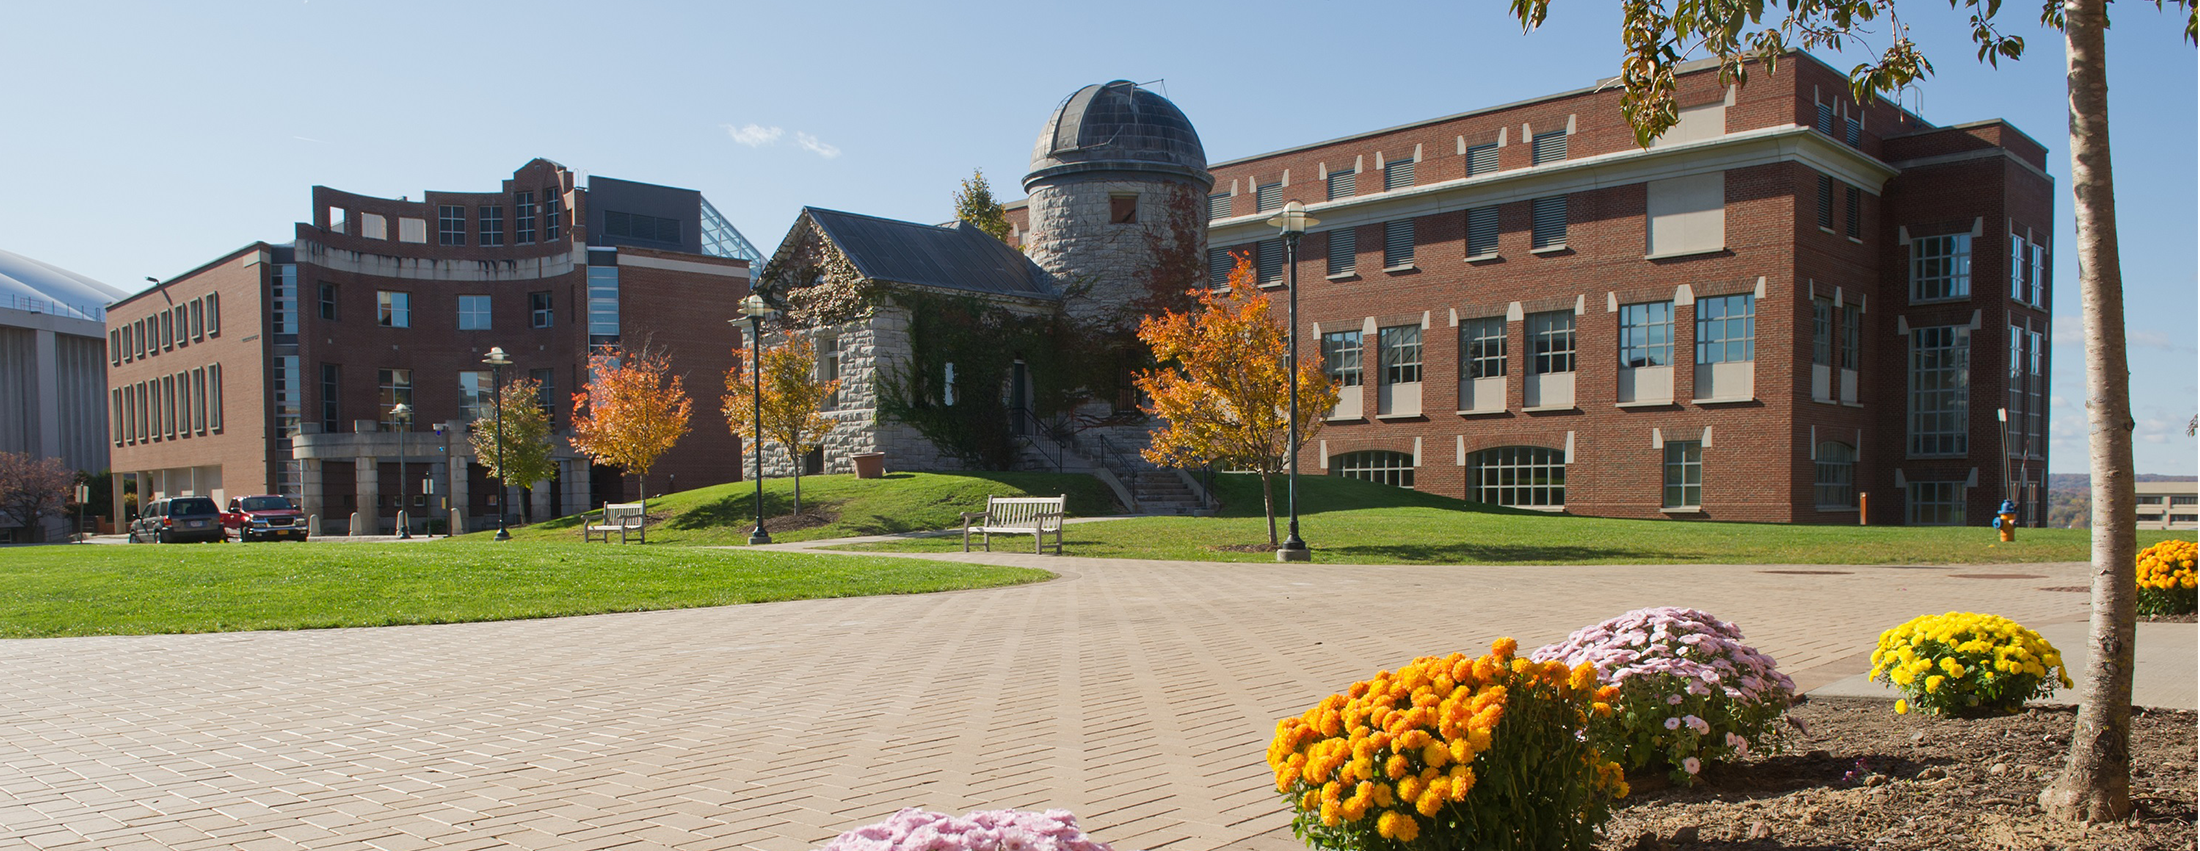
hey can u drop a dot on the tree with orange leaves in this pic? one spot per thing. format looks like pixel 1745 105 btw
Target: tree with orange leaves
pixel 793 396
pixel 633 412
pixel 1223 386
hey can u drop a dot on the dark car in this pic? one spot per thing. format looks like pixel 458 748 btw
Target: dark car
pixel 177 519
pixel 264 517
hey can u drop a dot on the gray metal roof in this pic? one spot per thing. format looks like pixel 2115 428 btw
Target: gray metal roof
pixel 959 257
pixel 31 285
pixel 1118 127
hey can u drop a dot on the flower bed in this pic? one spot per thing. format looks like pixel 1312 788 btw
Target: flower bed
pixel 1688 690
pixel 2166 578
pixel 990 830
pixel 1966 664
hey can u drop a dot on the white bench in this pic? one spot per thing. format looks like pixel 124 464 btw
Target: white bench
pixel 624 518
pixel 1037 516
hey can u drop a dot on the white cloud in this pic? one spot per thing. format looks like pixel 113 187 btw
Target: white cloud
pixel 816 147
pixel 2157 340
pixel 753 135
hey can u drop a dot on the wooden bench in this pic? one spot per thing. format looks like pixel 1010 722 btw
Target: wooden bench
pixel 1037 516
pixel 624 518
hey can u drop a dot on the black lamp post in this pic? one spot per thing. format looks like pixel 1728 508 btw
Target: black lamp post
pixel 497 361
pixel 756 310
pixel 402 415
pixel 1294 221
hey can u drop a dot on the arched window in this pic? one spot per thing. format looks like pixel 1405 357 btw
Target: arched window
pixel 1836 481
pixel 1521 476
pixel 1375 465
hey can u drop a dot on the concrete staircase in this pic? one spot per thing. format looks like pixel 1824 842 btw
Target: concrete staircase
pixel 1164 492
pixel 1154 490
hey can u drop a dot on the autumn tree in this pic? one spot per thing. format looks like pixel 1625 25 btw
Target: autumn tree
pixel 793 397
pixel 1223 385
pixel 975 205
pixel 634 410
pixel 32 489
pixel 2095 784
pixel 525 458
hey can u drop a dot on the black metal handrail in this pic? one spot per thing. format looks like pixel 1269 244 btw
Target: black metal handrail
pixel 1119 465
pixel 1031 430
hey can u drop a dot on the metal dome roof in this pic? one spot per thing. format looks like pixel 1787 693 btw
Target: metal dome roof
pixel 27 284
pixel 1118 127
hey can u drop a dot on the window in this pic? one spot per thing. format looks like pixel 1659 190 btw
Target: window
pixel 523 217
pixel 1825 118
pixel 1549 222
pixel 546 391
pixel 1375 465
pixel 1852 335
pixel 1398 244
pixel 1481 159
pixel 538 309
pixel 1218 206
pixel 1482 347
pixel 1940 267
pixel 1856 132
pixel 1551 341
pixel 1269 255
pixel 2184 500
pixel 603 304
pixel 2039 275
pixel 1940 379
pixel 1854 211
pixel 477 399
pixel 450 224
pixel 198 399
pixel 1835 486
pixel 1482 232
pixel 1936 504
pixel 473 313
pixel 553 213
pixel 214 400
pixel 1646 334
pixel 1401 353
pixel 1825 202
pixel 1550 147
pixel 1343 184
pixel 1343 251
pixel 213 314
pixel 284 302
pixel 2149 500
pixel 492 224
pixel 328 301
pixel 1519 476
pixel 1268 197
pixel 114 347
pixel 393 309
pixel 1123 209
pixel 289 398
pixel 397 390
pixel 198 319
pixel 1821 331
pixel 183 404
pixel 1683 473
pixel 1726 329
pixel 1219 264
pixel 1397 175
pixel 828 367
pixel 332 384
pixel 1341 351
pixel 167 331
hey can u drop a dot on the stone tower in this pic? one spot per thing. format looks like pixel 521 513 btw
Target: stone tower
pixel 1118 201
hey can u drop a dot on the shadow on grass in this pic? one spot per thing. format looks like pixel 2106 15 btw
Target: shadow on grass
pixel 740 510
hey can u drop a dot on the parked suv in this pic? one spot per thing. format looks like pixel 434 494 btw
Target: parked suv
pixel 264 517
pixel 179 518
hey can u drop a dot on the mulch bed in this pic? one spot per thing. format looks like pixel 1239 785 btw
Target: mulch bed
pixel 809 518
pixel 1858 776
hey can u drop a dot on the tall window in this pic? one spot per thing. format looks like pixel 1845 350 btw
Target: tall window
pixel 546 391
pixel 1375 465
pixel 473 313
pixel 285 300
pixel 1397 243
pixel 1401 353
pixel 492 224
pixel 1549 222
pixel 1551 341
pixel 1852 335
pixel 828 366
pixel 1726 329
pixel 1482 347
pixel 393 309
pixel 1521 476
pixel 1550 147
pixel 198 319
pixel 450 224
pixel 1646 334
pixel 553 214
pixel 1825 202
pixel 523 217
pixel 1397 174
pixel 1343 251
pixel 1854 210
pixel 1940 267
pixel 214 397
pixel 1821 331
pixel 1940 390
pixel 1835 486
pixel 328 301
pixel 1481 159
pixel 539 313
pixel 1268 197
pixel 2039 275
pixel 1935 504
pixel 603 304
pixel 477 396
pixel 1268 260
pixel 1219 264
pixel 332 385
pixel 1825 118
pixel 1482 232
pixel 1218 205
pixel 1341 352
pixel 397 389
pixel 1343 184
pixel 1683 473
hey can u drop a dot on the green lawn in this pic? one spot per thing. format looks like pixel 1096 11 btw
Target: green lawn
pixel 145 589
pixel 1352 522
pixel 900 502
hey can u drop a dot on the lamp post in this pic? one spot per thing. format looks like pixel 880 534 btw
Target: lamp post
pixel 1293 221
pixel 402 415
pixel 756 310
pixel 497 361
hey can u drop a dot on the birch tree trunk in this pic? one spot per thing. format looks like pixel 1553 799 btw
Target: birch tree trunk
pixel 2095 784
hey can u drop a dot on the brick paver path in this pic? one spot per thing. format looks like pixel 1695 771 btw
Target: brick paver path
pixel 1138 694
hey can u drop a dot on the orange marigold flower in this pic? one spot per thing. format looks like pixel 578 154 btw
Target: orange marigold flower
pixel 1504 647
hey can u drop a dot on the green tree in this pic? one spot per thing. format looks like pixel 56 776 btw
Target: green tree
pixel 975 205
pixel 2095 784
pixel 793 398
pixel 526 458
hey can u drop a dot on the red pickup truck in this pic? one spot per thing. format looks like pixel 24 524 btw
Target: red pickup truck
pixel 264 517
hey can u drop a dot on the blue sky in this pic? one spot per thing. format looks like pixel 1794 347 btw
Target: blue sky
pixel 148 138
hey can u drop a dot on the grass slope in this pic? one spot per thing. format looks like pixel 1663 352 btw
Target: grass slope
pixel 1346 521
pixel 147 589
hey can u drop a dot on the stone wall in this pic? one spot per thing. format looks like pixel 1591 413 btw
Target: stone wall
pixel 1073 237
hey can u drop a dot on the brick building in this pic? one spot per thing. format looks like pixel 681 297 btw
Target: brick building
pixel 1789 302
pixel 274 368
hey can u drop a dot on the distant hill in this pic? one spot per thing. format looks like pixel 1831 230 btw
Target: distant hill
pixel 2070 497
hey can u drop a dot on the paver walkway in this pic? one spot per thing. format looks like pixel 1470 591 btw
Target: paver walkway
pixel 1138 694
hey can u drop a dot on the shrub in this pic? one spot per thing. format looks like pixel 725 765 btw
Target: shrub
pixel 1689 690
pixel 990 830
pixel 2166 578
pixel 1966 664
pixel 1450 752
